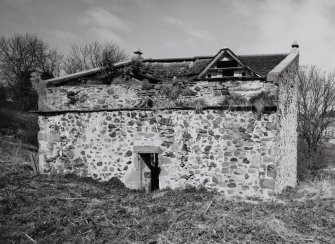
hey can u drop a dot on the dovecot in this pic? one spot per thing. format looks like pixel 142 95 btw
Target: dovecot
pixel 223 122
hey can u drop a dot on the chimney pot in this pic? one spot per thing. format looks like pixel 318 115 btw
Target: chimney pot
pixel 295 44
pixel 138 52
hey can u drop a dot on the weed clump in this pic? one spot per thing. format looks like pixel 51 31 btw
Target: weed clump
pixel 234 100
pixel 176 88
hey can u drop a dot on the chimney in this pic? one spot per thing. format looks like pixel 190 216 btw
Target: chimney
pixel 138 55
pixel 295 47
pixel 295 44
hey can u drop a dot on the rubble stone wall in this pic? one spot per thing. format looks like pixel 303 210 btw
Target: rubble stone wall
pixel 231 152
pixel 234 152
pixel 99 97
pixel 287 128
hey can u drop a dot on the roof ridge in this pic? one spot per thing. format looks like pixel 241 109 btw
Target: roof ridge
pixel 263 55
pixel 179 58
pixel 210 57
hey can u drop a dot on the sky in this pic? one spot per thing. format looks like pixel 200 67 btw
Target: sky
pixel 181 28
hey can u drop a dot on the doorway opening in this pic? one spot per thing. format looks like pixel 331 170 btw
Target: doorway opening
pixel 150 171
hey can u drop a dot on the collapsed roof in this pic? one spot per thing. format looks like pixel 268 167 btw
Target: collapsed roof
pixel 224 65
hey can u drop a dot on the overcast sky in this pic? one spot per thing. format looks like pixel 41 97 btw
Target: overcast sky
pixel 177 28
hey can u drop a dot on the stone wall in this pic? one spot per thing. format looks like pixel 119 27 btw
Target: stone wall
pixel 287 128
pixel 231 152
pixel 97 130
pixel 99 97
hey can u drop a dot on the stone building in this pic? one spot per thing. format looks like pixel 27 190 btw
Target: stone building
pixel 224 122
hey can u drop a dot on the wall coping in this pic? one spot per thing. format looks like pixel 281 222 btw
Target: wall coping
pixel 267 109
pixel 274 74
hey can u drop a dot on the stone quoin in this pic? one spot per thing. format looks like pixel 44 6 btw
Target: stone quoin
pixel 223 122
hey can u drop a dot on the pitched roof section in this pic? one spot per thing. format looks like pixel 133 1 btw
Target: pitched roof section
pixel 85 73
pixel 191 67
pixel 188 67
pixel 168 68
pixel 262 64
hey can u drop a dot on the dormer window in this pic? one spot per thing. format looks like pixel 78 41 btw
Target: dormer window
pixel 228 72
pixel 226 64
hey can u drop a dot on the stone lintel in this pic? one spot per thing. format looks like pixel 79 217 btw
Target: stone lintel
pixel 147 149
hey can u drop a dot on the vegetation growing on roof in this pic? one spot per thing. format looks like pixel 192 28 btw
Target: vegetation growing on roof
pixel 165 69
pixel 146 103
pixel 234 99
pixel 159 104
pixel 108 74
pixel 259 101
pixel 199 104
pixel 73 97
pixel 176 88
pixel 111 74
pixel 266 98
pixel 262 100
pixel 146 85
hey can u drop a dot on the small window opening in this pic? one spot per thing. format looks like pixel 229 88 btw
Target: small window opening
pixel 229 72
pixel 243 73
pixel 151 176
pixel 226 64
pixel 209 76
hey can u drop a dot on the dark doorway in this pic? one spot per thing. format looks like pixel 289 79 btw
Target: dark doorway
pixel 151 160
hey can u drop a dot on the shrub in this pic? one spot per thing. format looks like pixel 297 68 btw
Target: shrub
pixel 3 96
pixel 176 88
pixel 199 104
pixel 261 100
pixel 146 85
pixel 234 99
pixel 8 121
pixel 310 161
pixel 22 125
pixel 265 97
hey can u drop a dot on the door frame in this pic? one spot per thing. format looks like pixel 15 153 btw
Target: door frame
pixel 138 164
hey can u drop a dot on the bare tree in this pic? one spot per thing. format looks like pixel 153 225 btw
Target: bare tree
pixel 93 55
pixel 21 55
pixel 3 96
pixel 316 103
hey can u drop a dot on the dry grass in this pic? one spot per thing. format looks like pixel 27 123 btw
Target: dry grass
pixel 68 209
pixel 317 189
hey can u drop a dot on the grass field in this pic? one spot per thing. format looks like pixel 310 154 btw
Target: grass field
pixel 68 209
